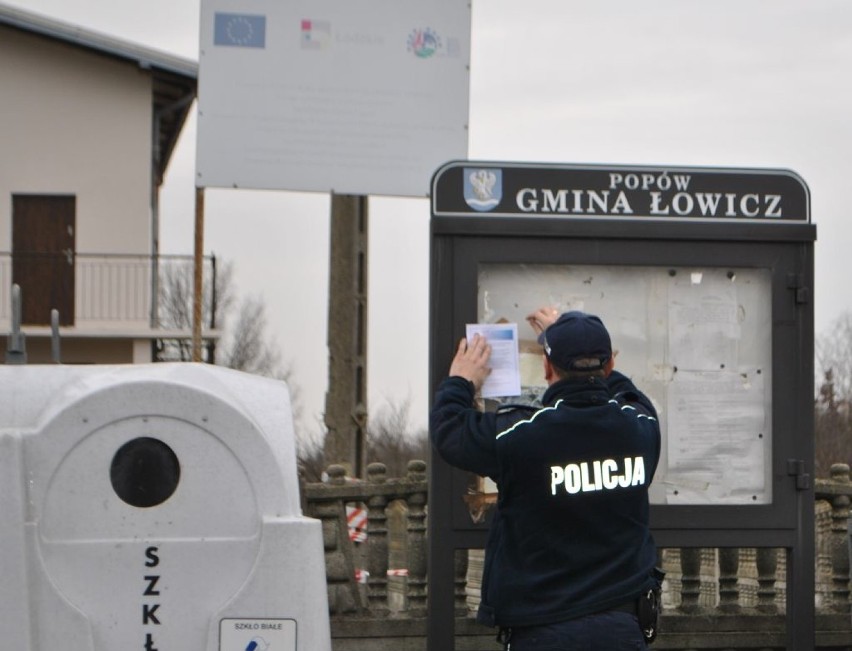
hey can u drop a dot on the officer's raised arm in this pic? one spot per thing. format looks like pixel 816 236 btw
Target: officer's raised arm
pixel 542 318
pixel 471 361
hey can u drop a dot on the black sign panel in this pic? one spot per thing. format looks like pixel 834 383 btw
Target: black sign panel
pixel 477 188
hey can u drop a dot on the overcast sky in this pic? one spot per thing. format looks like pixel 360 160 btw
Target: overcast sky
pixel 731 83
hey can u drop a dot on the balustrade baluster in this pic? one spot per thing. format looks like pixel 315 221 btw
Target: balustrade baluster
pixel 840 550
pixel 377 541
pixel 343 593
pixel 729 563
pixel 461 582
pixel 767 566
pixel 417 540
pixel 690 563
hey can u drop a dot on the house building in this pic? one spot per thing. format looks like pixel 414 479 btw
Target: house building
pixel 87 126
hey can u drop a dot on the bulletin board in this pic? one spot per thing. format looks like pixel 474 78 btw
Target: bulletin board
pixel 696 340
pixel 704 279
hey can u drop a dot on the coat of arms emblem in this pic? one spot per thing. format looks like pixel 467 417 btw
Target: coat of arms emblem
pixel 483 188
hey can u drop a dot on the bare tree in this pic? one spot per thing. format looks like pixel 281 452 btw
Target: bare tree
pixel 246 343
pixel 176 301
pixel 312 464
pixel 391 440
pixel 250 348
pixel 833 402
pixel 834 353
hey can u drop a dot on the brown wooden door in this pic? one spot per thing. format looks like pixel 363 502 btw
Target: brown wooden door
pixel 43 256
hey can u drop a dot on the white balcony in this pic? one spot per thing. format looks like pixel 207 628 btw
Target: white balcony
pixel 100 296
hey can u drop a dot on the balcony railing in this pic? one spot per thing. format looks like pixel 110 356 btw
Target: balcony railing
pixel 110 290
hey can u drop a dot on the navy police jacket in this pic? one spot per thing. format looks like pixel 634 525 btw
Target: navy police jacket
pixel 570 536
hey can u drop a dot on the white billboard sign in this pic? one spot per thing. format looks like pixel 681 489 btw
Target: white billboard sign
pixel 366 97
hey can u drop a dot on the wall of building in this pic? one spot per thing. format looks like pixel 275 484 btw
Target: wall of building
pixel 76 122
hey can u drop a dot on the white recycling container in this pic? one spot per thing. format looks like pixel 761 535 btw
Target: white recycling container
pixel 154 507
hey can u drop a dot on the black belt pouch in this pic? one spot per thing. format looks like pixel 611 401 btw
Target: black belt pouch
pixel 648 607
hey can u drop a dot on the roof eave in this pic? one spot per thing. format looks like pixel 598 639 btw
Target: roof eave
pixel 144 57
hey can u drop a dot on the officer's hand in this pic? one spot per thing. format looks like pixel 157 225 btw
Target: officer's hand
pixel 542 319
pixel 471 361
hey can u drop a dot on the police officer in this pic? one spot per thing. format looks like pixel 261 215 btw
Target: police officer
pixel 569 558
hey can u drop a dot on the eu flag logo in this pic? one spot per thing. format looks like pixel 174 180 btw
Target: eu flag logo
pixel 239 30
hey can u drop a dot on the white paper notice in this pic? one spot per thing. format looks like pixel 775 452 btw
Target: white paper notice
pixel 505 378
pixel 704 330
pixel 717 438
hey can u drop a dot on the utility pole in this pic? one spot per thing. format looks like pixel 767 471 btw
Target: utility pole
pixel 346 399
pixel 198 275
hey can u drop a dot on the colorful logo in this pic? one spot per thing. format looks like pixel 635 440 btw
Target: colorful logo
pixel 483 188
pixel 424 43
pixel 316 34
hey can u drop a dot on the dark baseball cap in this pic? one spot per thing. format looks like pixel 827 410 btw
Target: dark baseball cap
pixel 576 335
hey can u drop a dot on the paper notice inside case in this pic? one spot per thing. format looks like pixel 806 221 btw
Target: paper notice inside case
pixel 505 377
pixel 717 438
